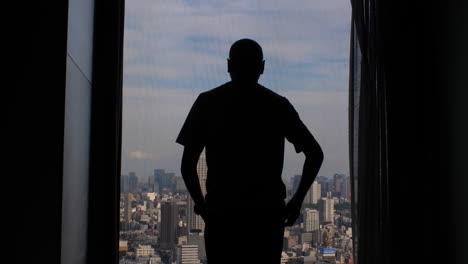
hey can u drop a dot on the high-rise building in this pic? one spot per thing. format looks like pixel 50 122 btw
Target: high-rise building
pixel 323 181
pixel 169 221
pixel 326 210
pixel 180 185
pixel 168 181
pixel 346 187
pixel 316 192
pixel 338 182
pixel 195 222
pixel 187 254
pixel 132 183
pixel 295 180
pixel 162 180
pixel 124 182
pixel 128 197
pixel 202 171
pixel 153 184
pixel 311 220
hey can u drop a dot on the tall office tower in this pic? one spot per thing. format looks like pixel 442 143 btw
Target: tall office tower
pixel 295 180
pixel 311 220
pixel 195 222
pixel 345 188
pixel 128 197
pixel 153 184
pixel 180 185
pixel 168 181
pixel 326 210
pixel 202 171
pixel 199 240
pixel 169 221
pixel 338 181
pixel 308 197
pixel 163 179
pixel 157 176
pixel 187 254
pixel 323 181
pixel 316 192
pixel 124 183
pixel 132 183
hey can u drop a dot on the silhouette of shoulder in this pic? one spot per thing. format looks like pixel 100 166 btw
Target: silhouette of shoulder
pixel 229 92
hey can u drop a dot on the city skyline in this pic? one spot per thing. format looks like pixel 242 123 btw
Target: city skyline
pixel 158 226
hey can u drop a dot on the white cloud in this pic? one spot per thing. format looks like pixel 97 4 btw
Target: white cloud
pixel 175 49
pixel 140 155
pixel 161 33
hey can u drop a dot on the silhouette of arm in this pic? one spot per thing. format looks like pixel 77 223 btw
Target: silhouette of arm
pixel 192 137
pixel 189 173
pixel 298 134
pixel 312 163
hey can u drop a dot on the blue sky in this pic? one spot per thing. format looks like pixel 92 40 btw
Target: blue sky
pixel 176 49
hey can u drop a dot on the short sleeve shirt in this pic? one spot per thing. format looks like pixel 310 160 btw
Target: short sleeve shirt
pixel 243 132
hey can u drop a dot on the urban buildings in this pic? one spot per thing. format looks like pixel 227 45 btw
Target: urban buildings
pixel 161 226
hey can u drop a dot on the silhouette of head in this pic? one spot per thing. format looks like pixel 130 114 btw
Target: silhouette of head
pixel 245 63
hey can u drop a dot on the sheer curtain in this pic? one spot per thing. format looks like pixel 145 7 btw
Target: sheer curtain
pixel 368 136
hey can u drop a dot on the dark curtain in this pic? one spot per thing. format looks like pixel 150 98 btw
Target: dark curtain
pixel 368 136
pixel 106 129
pixel 408 131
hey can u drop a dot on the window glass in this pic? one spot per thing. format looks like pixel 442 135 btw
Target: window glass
pixel 173 51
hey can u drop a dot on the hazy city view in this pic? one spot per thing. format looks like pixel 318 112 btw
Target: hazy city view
pixel 175 50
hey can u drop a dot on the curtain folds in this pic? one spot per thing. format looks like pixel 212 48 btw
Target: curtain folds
pixel 368 135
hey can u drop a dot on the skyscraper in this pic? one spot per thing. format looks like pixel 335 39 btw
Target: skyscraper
pixel 202 171
pixel 346 186
pixel 338 182
pixel 311 221
pixel 162 180
pixel 128 206
pixel 153 184
pixel 124 182
pixel 326 210
pixel 169 220
pixel 180 185
pixel 323 181
pixel 316 192
pixel 195 222
pixel 132 183
pixel 295 180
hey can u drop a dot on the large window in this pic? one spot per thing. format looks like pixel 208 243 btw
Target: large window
pixel 175 50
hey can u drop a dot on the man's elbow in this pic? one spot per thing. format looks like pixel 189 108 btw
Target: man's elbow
pixel 315 153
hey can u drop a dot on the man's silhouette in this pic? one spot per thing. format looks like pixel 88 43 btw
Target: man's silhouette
pixel 243 126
